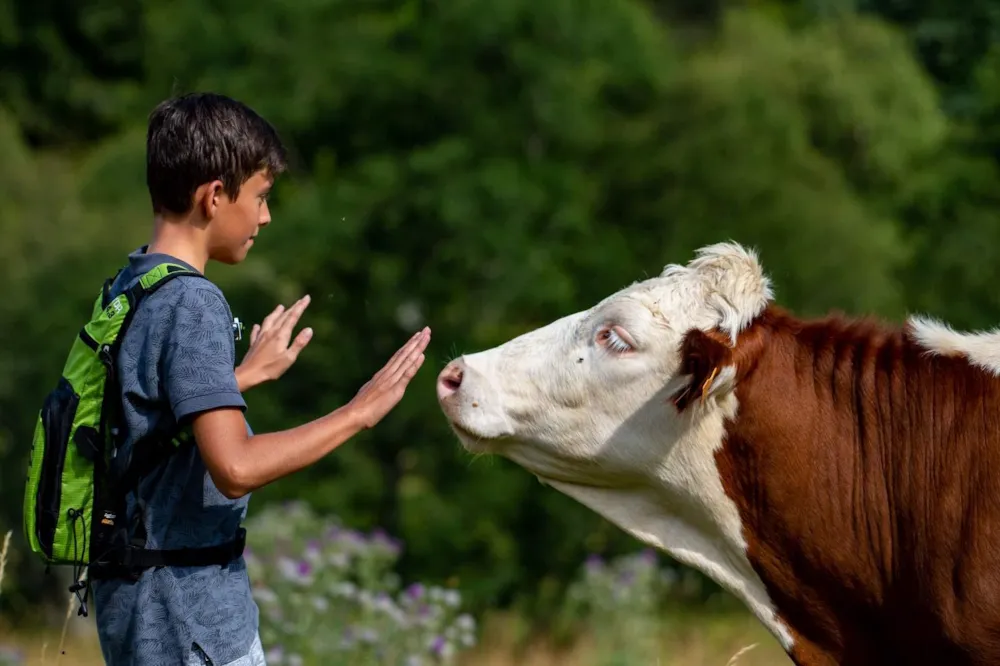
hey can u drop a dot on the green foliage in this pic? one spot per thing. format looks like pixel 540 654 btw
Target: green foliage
pixel 71 67
pixel 950 38
pixel 781 138
pixel 485 167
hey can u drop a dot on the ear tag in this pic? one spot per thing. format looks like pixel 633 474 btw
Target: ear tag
pixel 708 383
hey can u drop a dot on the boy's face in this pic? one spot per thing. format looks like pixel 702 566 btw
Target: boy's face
pixel 235 223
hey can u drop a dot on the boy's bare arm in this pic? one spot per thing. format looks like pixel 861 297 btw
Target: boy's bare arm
pixel 240 463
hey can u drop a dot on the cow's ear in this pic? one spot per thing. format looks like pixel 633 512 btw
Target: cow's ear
pixel 708 360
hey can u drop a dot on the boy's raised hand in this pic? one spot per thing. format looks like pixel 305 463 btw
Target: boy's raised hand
pixel 384 390
pixel 272 350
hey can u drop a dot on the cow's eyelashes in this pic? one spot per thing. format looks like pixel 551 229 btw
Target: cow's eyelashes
pixel 615 339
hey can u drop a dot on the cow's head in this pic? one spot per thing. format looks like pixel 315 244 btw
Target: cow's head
pixel 599 397
pixel 623 406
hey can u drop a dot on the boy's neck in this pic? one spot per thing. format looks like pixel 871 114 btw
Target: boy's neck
pixel 181 237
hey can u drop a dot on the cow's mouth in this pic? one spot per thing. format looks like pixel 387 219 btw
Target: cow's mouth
pixel 471 439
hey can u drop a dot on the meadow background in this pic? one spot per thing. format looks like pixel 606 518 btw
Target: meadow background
pixel 484 167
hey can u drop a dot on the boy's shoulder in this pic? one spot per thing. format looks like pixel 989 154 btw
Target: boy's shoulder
pixel 141 262
pixel 180 342
pixel 184 312
pixel 183 297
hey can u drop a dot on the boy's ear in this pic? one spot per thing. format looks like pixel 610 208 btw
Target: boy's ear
pixel 709 361
pixel 208 197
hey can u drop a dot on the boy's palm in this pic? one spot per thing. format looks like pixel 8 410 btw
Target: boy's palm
pixel 383 391
pixel 270 353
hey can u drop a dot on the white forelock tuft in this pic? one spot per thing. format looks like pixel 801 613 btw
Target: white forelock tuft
pixel 734 282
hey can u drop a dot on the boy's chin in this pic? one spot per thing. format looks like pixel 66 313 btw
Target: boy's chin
pixel 231 256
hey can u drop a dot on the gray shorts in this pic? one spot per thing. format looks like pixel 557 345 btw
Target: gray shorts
pixel 254 658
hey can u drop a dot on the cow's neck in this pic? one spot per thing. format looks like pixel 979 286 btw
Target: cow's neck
pixel 809 480
pixel 752 496
pixel 682 508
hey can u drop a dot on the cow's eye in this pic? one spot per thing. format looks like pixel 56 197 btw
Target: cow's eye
pixel 615 339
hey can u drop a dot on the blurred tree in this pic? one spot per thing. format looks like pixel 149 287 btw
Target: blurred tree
pixel 71 67
pixel 951 39
pixel 802 142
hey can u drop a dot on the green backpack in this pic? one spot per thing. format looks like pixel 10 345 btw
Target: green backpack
pixel 74 504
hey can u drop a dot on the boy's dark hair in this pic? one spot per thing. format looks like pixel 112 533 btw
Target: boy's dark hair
pixel 200 137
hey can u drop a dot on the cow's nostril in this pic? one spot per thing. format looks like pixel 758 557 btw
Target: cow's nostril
pixel 450 379
pixel 453 381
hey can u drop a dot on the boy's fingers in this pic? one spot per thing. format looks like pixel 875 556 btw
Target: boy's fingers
pixel 394 360
pixel 300 341
pixel 269 319
pixel 405 352
pixel 408 368
pixel 292 315
pixel 386 374
pixel 253 333
pixel 411 370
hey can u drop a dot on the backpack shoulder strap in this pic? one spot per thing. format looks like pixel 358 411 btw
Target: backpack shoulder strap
pixel 155 278
pixel 112 316
pixel 147 283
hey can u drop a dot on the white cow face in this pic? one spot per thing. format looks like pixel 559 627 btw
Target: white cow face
pixel 586 399
pixel 585 404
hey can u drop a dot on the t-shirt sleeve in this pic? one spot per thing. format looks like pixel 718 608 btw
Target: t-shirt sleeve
pixel 199 355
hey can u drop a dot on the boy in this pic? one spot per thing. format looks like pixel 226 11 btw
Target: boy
pixel 211 162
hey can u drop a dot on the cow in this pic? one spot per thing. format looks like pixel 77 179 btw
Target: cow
pixel 840 476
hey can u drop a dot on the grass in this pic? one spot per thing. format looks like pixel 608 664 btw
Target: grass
pixel 697 639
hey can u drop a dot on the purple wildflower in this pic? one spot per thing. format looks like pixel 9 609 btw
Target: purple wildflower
pixel 354 539
pixel 594 562
pixel 383 540
pixel 415 591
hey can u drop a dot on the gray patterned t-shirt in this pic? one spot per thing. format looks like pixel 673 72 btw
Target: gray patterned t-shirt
pixel 177 359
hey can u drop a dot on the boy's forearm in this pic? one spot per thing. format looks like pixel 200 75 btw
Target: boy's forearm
pixel 270 456
pixel 261 459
